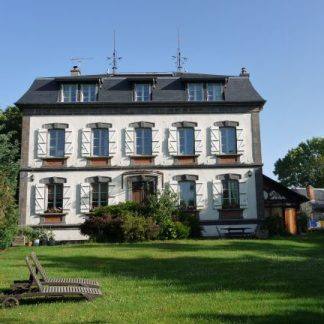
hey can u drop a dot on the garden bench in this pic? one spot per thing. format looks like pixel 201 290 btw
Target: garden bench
pixel 237 231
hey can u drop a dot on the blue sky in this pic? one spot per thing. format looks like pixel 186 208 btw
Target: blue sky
pixel 280 42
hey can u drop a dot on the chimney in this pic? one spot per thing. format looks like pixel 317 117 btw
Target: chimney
pixel 244 72
pixel 75 71
pixel 310 192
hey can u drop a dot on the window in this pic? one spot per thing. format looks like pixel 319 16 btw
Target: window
pixel 214 92
pixel 195 92
pixel 186 141
pixel 100 142
pixel 187 194
pixel 142 92
pixel 69 92
pixel 57 141
pixel 89 92
pixel 228 140
pixel 99 195
pixel 143 141
pixel 55 196
pixel 230 194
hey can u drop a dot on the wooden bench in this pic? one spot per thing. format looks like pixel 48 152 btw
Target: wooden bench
pixel 237 231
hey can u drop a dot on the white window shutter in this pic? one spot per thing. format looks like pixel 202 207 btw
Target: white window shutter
pixel 86 142
pixel 174 187
pixel 217 194
pixel 68 147
pixel 39 198
pixel 130 141
pixel 172 141
pixel 243 194
pixel 215 142
pixel 112 141
pixel 111 193
pixel 155 141
pixel 85 197
pixel 66 197
pixel 42 139
pixel 200 197
pixel 198 140
pixel 240 140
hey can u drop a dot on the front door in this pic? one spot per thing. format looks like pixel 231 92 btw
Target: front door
pixel 142 189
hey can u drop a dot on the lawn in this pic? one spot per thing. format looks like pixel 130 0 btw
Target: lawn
pixel 192 281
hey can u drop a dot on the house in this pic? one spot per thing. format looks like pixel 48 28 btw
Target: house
pixel 93 140
pixel 315 206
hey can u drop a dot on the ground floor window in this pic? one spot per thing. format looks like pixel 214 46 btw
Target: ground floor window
pixel 99 195
pixel 187 194
pixel 55 196
pixel 141 190
pixel 231 194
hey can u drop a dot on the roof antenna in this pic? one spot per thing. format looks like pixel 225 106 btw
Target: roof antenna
pixel 179 59
pixel 80 60
pixel 114 58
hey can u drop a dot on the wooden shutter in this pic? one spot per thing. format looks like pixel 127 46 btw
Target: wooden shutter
pixel 42 138
pixel 85 197
pixel 111 194
pixel 200 197
pixel 240 141
pixel 39 198
pixel 155 141
pixel 243 193
pixel 112 141
pixel 217 194
pixel 86 142
pixel 68 147
pixel 172 141
pixel 130 141
pixel 198 141
pixel 215 142
pixel 66 197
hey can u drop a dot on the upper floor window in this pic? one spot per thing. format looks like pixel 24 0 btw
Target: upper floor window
pixel 88 92
pixel 228 140
pixel 214 91
pixel 100 141
pixel 57 142
pixel 195 92
pixel 187 190
pixel 142 92
pixel 99 194
pixel 186 140
pixel 231 194
pixel 55 196
pixel 69 92
pixel 143 141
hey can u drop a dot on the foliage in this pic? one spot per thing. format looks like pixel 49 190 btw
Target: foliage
pixel 303 165
pixel 30 233
pixel 182 230
pixel 120 209
pixel 302 222
pixel 190 220
pixel 275 225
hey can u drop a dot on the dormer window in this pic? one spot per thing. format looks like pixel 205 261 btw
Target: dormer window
pixel 88 92
pixel 142 92
pixel 72 92
pixel 214 91
pixel 195 92
pixel 205 91
pixel 69 92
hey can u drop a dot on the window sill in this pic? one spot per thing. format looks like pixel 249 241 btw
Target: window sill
pixel 142 156
pixel 52 214
pixel 50 161
pixel 185 159
pixel 186 155
pixel 142 159
pixel 228 158
pixel 99 160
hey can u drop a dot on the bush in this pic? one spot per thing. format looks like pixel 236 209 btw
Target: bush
pixel 120 209
pixel 152 229
pixel 190 220
pixel 133 228
pixel 275 225
pixel 182 230
pixel 302 222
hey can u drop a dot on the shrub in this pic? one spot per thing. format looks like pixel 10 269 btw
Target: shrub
pixel 275 225
pixel 152 229
pixel 302 222
pixel 182 230
pixel 190 220
pixel 133 228
pixel 119 209
pixel 30 233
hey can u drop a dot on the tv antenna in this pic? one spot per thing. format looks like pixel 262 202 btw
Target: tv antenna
pixel 179 59
pixel 80 60
pixel 114 58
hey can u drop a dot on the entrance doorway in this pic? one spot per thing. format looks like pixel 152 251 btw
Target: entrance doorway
pixel 141 190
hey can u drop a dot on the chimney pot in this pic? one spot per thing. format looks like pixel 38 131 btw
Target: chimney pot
pixel 244 72
pixel 75 71
pixel 310 192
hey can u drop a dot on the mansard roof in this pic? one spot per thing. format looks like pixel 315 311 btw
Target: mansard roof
pixel 168 87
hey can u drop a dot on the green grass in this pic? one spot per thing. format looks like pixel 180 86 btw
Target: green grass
pixel 225 281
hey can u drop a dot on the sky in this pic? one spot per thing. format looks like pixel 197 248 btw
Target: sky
pixel 280 42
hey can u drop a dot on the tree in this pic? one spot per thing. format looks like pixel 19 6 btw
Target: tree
pixel 303 165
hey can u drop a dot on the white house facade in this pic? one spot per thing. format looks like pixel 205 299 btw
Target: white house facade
pixel 89 141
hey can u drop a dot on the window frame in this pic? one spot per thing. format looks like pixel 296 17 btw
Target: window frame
pixel 55 198
pixel 94 85
pixel 93 130
pixel 221 90
pixel 99 194
pixel 233 202
pixel 195 91
pixel 179 129
pixel 187 205
pixel 56 145
pixel 143 152
pixel 234 141
pixel 79 92
pixel 136 97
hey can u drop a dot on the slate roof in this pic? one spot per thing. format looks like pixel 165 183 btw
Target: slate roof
pixel 170 87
